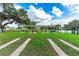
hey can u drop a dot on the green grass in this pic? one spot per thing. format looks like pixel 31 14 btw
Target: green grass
pixel 8 36
pixel 71 38
pixel 11 48
pixel 68 50
pixel 39 46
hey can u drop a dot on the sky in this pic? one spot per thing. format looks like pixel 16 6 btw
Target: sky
pixel 50 13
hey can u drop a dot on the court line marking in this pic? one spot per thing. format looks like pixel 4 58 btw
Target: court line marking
pixel 7 44
pixel 21 48
pixel 59 51
pixel 70 45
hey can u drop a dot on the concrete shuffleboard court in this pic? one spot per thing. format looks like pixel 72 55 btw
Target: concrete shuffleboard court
pixel 21 48
pixel 57 49
pixel 70 45
pixel 7 44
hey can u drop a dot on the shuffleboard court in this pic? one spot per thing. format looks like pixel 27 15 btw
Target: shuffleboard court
pixel 21 48
pixel 57 49
pixel 7 44
pixel 70 45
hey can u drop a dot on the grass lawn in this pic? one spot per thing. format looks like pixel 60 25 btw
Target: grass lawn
pixel 39 46
pixel 68 50
pixel 11 48
pixel 71 38
pixel 8 36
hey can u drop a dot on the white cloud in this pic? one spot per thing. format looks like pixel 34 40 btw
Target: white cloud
pixel 71 4
pixel 38 15
pixel 67 2
pixel 74 11
pixel 17 6
pixel 57 11
pixel 45 19
pixel 64 21
pixel 74 14
pixel 74 8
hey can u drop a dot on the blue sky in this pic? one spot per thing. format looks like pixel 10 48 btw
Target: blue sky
pixel 47 7
pixel 51 13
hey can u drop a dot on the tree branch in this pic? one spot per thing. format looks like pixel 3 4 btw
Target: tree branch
pixel 7 23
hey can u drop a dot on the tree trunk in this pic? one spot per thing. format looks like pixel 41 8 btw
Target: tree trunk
pixel 2 26
pixel 77 30
pixel 1 29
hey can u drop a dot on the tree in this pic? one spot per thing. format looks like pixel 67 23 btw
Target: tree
pixel 10 14
pixel 57 27
pixel 24 18
pixel 66 27
pixel 74 25
pixel 23 15
pixel 3 17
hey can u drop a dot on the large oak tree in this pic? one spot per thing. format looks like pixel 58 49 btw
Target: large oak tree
pixel 10 14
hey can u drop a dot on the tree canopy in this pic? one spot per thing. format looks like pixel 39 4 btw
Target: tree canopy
pixel 10 14
pixel 74 24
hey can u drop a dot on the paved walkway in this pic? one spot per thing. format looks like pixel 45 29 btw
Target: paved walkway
pixel 21 48
pixel 7 44
pixel 57 49
pixel 70 45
